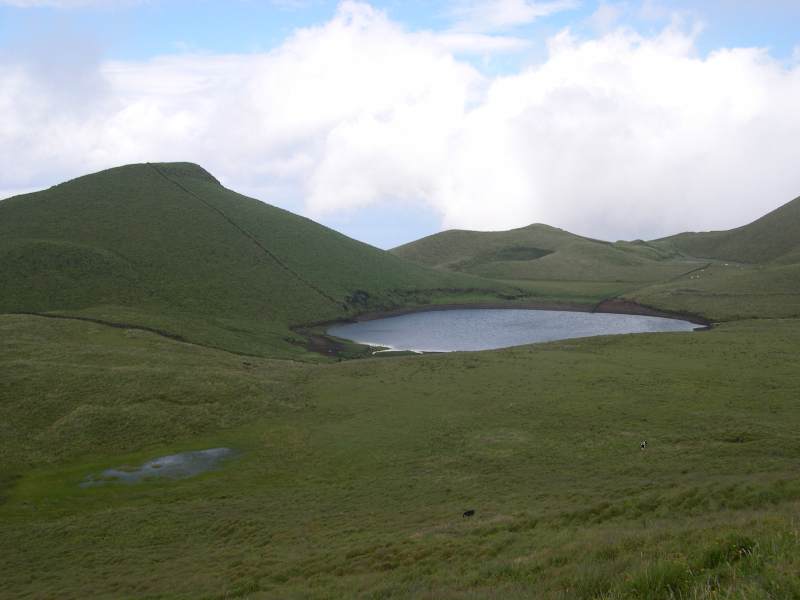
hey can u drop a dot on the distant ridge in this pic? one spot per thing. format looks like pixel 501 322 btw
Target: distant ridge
pixel 541 252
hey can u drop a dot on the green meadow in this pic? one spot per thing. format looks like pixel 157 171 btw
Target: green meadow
pixel 352 477
pixel 147 310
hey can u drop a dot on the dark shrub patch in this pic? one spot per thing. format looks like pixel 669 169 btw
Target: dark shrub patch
pixel 728 550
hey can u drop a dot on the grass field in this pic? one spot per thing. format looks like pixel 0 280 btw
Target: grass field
pixel 353 476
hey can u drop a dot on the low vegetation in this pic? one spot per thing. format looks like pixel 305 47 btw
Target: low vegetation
pixel 353 477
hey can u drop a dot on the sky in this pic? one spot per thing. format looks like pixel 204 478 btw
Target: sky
pixel 391 120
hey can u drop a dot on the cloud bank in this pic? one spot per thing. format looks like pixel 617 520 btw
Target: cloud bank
pixel 619 136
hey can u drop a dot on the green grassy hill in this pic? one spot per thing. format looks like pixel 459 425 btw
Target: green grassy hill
pixel 459 249
pixel 770 238
pixel 165 246
pixel 541 252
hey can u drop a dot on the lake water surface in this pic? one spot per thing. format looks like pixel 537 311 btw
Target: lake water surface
pixel 487 329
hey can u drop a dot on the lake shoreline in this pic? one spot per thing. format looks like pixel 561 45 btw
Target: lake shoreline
pixel 321 343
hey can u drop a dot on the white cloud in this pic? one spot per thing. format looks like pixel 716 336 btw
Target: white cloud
pixel 494 15
pixel 620 136
pixel 652 10
pixel 627 136
pixel 606 16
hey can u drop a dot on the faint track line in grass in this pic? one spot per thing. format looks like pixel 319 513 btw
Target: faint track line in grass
pixel 622 296
pixel 677 277
pixel 248 235
pixel 117 325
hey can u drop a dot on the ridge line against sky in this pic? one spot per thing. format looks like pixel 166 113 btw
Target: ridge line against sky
pixel 392 120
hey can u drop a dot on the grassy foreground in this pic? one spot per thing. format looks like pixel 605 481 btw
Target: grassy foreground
pixel 353 476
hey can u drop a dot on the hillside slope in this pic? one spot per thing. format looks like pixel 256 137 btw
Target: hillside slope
pixel 772 237
pixel 165 246
pixel 458 249
pixel 755 273
pixel 541 252
pixel 728 292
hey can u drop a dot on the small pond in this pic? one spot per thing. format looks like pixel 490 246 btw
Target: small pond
pixel 487 329
pixel 174 466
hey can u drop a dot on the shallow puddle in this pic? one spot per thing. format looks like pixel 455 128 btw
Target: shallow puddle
pixel 174 466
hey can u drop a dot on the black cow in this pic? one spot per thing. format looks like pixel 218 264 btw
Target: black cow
pixel 468 513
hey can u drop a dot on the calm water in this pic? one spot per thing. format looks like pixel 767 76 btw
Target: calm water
pixel 174 466
pixel 486 329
